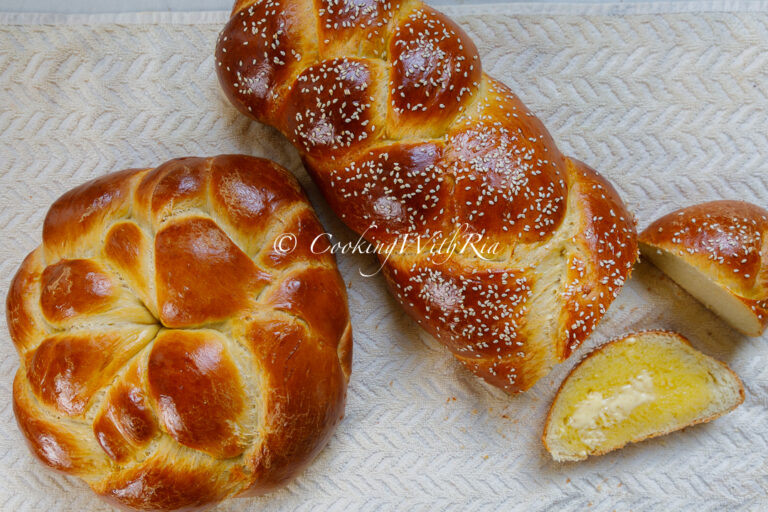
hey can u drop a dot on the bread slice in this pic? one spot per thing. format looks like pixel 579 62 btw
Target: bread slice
pixel 718 252
pixel 640 386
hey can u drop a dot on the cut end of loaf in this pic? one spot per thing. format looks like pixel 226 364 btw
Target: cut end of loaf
pixel 718 252
pixel 716 297
pixel 641 386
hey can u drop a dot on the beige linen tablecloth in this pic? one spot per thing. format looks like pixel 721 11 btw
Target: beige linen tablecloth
pixel 667 100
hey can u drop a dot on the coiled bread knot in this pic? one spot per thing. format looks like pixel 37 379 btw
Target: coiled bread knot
pixel 170 356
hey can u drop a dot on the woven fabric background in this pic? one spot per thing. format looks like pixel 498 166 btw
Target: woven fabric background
pixel 671 104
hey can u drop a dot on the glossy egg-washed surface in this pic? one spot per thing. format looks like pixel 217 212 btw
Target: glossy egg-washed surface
pixel 727 241
pixel 169 356
pixel 408 138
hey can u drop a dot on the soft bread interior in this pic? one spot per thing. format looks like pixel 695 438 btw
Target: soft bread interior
pixel 715 297
pixel 642 386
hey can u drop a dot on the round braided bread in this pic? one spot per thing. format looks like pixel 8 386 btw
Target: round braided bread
pixel 410 141
pixel 170 357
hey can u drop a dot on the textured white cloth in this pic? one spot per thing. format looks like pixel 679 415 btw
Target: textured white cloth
pixel 667 100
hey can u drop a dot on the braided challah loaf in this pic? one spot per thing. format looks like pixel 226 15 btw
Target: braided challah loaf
pixel 410 141
pixel 170 357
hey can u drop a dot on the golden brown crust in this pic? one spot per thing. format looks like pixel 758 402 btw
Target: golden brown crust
pixel 198 391
pixel 298 293
pixel 202 276
pixel 81 213
pixel 344 28
pixel 727 241
pixel 166 481
pixel 74 288
pixel 461 308
pixel 435 72
pixel 59 444
pixel 607 230
pixel 386 205
pixel 295 425
pixel 411 143
pixel 66 369
pixel 305 227
pixel 22 305
pixel 602 347
pixel 247 201
pixel 151 328
pixel 126 421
